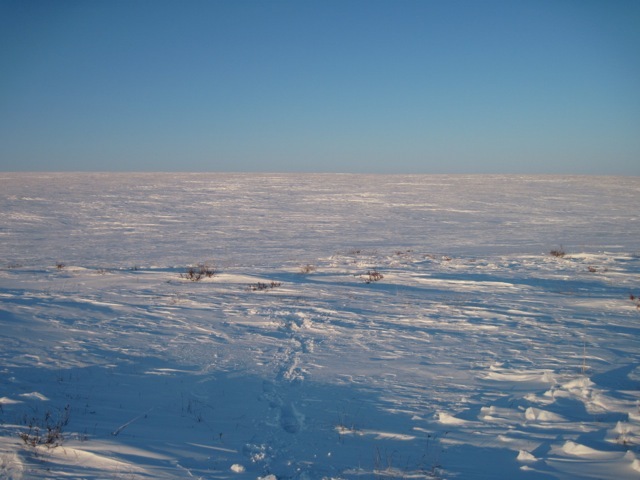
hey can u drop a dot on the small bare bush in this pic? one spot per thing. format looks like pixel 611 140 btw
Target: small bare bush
pixel 558 252
pixel 46 432
pixel 263 286
pixel 373 276
pixel 60 265
pixel 308 268
pixel 198 272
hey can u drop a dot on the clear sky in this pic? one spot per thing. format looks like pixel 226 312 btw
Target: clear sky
pixel 401 86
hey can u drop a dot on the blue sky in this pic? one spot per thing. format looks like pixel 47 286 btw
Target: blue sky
pixel 399 86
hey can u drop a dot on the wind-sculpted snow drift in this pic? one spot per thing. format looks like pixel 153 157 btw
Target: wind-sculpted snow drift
pixel 471 353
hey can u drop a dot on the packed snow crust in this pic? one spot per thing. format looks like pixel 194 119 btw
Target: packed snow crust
pixel 356 326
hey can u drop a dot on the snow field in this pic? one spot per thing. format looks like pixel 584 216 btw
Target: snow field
pixel 485 357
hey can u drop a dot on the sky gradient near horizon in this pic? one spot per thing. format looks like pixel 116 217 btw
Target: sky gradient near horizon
pixel 404 86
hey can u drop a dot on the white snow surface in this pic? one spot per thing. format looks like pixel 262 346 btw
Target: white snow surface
pixel 476 355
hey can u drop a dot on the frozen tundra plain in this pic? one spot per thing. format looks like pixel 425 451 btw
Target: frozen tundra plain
pixel 354 327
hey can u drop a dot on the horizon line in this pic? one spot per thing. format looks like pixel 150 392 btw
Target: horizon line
pixel 258 172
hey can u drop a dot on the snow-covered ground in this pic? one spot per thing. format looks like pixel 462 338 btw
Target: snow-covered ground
pixel 355 327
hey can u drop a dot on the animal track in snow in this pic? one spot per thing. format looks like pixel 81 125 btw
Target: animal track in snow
pixel 290 418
